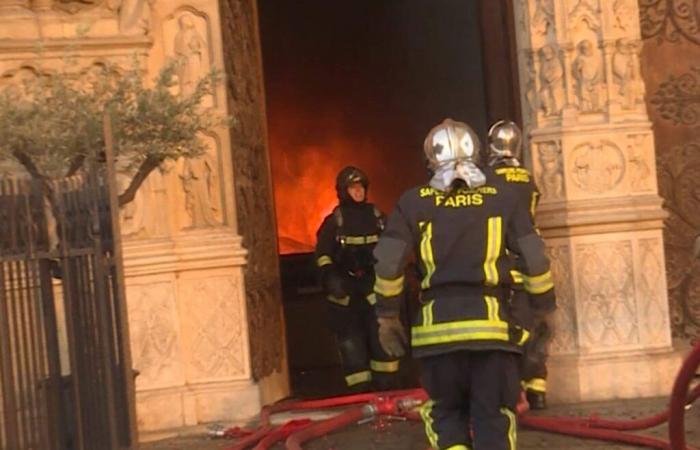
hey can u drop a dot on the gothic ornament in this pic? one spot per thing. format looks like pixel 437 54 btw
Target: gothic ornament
pixel 678 98
pixel 670 20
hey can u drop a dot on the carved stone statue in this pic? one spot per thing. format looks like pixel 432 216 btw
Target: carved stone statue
pixel 551 82
pixel 587 72
pixel 134 16
pixel 626 76
pixel 199 182
pixel 190 47
pixel 551 179
pixel 543 18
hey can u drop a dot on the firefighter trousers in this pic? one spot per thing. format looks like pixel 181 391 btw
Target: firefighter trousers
pixel 365 364
pixel 477 389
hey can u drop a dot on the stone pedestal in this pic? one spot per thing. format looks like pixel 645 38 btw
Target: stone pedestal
pixel 591 149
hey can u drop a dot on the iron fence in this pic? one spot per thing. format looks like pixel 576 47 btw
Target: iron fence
pixel 65 373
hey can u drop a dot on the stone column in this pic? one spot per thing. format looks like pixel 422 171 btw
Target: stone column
pixel 600 213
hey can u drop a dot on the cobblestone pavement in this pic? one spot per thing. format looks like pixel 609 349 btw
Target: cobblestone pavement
pixel 409 436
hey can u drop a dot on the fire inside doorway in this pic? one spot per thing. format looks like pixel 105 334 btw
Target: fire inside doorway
pixel 361 82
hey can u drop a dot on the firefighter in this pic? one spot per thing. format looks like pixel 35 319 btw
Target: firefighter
pixel 344 247
pixel 505 144
pixel 459 228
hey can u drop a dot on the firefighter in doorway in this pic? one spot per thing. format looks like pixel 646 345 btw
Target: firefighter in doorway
pixel 505 144
pixel 460 227
pixel 344 247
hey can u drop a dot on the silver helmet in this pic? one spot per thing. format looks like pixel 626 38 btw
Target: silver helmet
pixel 505 143
pixel 452 152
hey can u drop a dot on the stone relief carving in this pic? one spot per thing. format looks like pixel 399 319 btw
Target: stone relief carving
pixel 670 20
pixel 624 15
pixel 606 295
pixel 626 73
pixel 587 12
pixel 588 75
pixel 597 167
pixel 191 49
pixel 154 336
pixel 543 17
pixel 678 98
pixel 201 186
pixel 215 333
pixel 530 84
pixel 551 81
pixel 134 16
pixel 678 186
pixel 550 177
pixel 651 299
pixel 565 340
pixel 638 166
pixel 146 216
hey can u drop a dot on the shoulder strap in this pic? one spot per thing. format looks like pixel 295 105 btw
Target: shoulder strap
pixel 338 216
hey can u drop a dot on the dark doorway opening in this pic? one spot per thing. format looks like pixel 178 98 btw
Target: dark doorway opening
pixel 362 82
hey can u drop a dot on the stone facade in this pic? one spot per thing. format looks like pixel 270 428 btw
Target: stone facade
pixel 185 261
pixel 592 153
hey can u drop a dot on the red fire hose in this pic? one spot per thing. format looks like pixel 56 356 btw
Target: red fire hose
pixel 403 404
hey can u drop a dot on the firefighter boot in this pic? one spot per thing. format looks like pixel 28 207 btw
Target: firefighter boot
pixel 536 399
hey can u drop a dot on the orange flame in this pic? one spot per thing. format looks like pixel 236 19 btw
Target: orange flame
pixel 306 156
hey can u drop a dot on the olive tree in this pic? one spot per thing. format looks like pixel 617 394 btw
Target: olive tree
pixel 52 125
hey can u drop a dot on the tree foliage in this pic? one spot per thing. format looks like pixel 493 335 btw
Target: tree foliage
pixel 52 124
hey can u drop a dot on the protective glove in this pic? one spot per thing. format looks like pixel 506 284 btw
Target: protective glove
pixel 392 336
pixel 335 286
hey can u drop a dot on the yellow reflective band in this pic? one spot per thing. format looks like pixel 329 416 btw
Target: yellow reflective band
pixel 324 260
pixel 533 204
pixel 516 277
pixel 345 301
pixel 426 252
pixel 467 330
pixel 388 288
pixel 372 299
pixel 430 433
pixel 358 377
pixel 536 384
pixel 384 366
pixel 493 250
pixel 458 447
pixel 492 308
pixel 428 313
pixel 539 284
pixel 512 429
pixel 360 240
pixel 525 336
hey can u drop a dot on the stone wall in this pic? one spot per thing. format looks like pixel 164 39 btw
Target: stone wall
pixel 592 150
pixel 184 258
pixel 671 71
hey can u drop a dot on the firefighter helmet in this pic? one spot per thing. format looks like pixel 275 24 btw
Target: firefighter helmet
pixel 347 176
pixel 505 143
pixel 452 152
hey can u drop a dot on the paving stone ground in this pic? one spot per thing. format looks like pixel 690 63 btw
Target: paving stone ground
pixel 409 436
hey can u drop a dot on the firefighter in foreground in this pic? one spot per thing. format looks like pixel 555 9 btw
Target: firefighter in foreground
pixel 505 143
pixel 344 247
pixel 460 227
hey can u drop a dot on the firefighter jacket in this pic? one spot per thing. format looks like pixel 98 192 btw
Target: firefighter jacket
pixel 519 180
pixel 461 240
pixel 346 239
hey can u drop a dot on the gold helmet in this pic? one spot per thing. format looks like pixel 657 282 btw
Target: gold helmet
pixel 505 143
pixel 452 152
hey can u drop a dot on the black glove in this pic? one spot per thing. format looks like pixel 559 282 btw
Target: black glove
pixel 392 336
pixel 334 285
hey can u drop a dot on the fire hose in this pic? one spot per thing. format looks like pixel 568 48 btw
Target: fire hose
pixel 402 404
